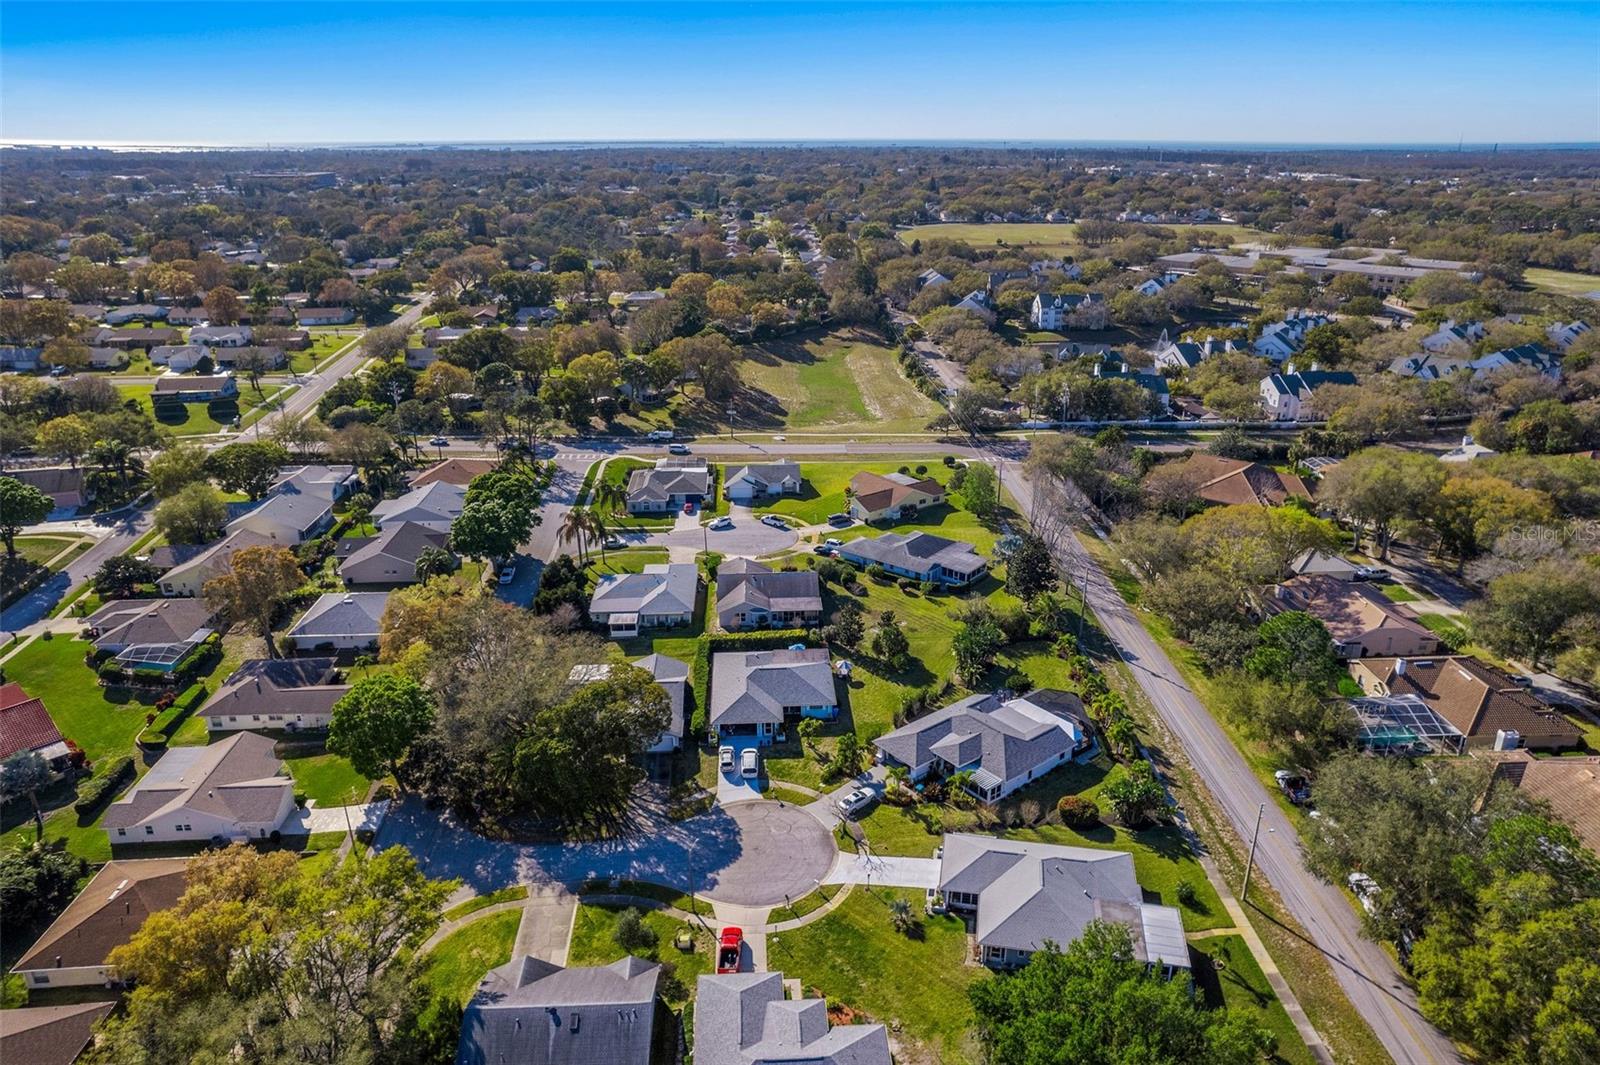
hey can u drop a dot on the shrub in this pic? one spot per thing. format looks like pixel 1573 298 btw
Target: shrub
pixel 97 790
pixel 906 584
pixel 111 674
pixel 921 469
pixel 905 470
pixel 1187 895
pixel 1078 812
pixel 1014 623
pixel 1019 682
pixel 927 587
pixel 877 573
pixel 949 460
pixel 632 934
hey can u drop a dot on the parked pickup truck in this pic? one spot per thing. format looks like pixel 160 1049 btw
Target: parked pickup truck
pixel 729 947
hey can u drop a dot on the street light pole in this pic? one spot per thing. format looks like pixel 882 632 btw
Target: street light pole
pixel 1251 861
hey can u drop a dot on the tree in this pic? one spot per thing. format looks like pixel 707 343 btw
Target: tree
pixel 1293 647
pixel 497 515
pixel 69 437
pixel 66 351
pixel 119 576
pixel 194 515
pixel 1030 571
pixel 975 646
pixel 890 643
pixel 1135 795
pixel 632 934
pixel 36 883
pixel 1095 1003
pixel 847 627
pixel 980 490
pixel 223 305
pixel 847 755
pixel 250 467
pixel 375 723
pixel 179 465
pixel 257 580
pixel 434 562
pixel 1378 488
pixel 1523 613
pixel 21 505
pixel 22 776
pixel 901 919
pixel 1299 722
pixel 807 730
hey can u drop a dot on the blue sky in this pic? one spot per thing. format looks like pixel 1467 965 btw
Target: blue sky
pixel 254 72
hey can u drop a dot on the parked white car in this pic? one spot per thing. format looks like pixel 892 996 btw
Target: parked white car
pixel 724 522
pixel 725 759
pixel 750 763
pixel 856 801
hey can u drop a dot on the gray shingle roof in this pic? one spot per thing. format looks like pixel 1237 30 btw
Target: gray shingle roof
pixel 435 505
pixel 277 686
pixel 532 1012
pixel 743 1019
pixel 662 588
pixel 753 687
pixel 148 622
pixel 917 551
pixel 1007 738
pixel 657 485
pixel 347 614
pixel 742 583
pixel 391 556
pixel 236 779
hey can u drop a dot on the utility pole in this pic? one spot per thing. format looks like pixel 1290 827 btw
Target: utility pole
pixel 1251 861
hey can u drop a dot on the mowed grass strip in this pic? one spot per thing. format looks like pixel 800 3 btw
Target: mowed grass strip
pixel 459 960
pixel 836 383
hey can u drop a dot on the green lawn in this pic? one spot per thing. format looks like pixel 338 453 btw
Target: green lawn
pixel 1561 282
pixel 1240 984
pixel 327 779
pixel 41 549
pixel 853 957
pixel 593 943
pixel 831 384
pixel 456 964
pixel 628 560
pixel 483 902
pixel 1399 593
pixel 197 419
pixel 1049 237
pixel 322 345
pixel 823 491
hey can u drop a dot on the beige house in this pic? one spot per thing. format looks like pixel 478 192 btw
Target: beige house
pixel 1363 622
pixel 105 915
pixel 889 497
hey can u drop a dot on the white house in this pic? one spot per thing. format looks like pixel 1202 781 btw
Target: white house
pixel 222 336
pixel 977 301
pixel 931 279
pixel 1052 311
pixel 761 481
pixel 111 908
pixel 1282 340
pixel 290 694
pixel 325 315
pixel 235 789
pixel 754 693
pixel 1153 286
pixel 1284 395
pixel 1521 357
pixel 180 358
pixel 1452 335
pixel 348 621
pixel 662 595
pixel 1562 334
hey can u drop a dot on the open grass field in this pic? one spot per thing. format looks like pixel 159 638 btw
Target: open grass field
pixel 628 560
pixel 594 943
pixel 853 957
pixel 1240 984
pixel 1048 238
pixel 1562 282
pixel 838 383
pixel 459 960
pixel 41 549
pixel 197 416
pixel 825 482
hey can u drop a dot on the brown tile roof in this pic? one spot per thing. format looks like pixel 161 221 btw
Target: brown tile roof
pixel 25 724
pixel 1476 698
pixel 1349 611
pixel 1235 481
pixel 453 471
pixel 875 492
pixel 49 1035
pixel 107 913
pixel 1569 786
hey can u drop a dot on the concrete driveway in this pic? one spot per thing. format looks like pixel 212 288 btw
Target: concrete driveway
pixel 749 854
pixel 884 872
pixel 731 787
pixel 336 818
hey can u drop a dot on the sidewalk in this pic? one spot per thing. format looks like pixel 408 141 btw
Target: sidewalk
pixel 547 919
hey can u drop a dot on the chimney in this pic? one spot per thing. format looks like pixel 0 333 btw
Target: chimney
pixel 1288 368
pixel 1466 441
pixel 1277 591
pixel 1399 667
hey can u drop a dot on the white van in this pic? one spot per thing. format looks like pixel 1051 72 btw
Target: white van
pixel 662 435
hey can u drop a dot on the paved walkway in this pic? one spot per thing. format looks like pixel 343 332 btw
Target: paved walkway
pixel 368 815
pixel 547 919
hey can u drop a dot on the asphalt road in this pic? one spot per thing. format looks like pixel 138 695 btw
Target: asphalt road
pixel 123 528
pixel 1364 971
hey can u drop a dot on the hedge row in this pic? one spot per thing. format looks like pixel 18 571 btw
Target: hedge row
pixel 98 790
pixel 729 641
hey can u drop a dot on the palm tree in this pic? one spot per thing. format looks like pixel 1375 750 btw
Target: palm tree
pixel 434 562
pixel 1122 736
pixel 608 495
pixel 900 918
pixel 574 527
pixel 598 530
pixel 114 456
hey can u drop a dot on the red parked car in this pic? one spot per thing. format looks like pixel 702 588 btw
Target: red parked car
pixel 688 508
pixel 729 949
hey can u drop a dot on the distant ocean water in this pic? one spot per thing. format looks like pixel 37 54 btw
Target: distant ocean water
pixel 912 142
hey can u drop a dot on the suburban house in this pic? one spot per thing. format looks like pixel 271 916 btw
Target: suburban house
pixel 668 485
pixel 1316 563
pixel 1018 896
pixel 662 595
pixel 149 634
pixel 325 315
pixel 453 471
pixel 919 555
pixel 1006 743
pixel 1283 340
pixel 134 312
pixel 931 279
pixel 293 513
pixel 1428 366
pixel 1153 286
pixel 671 675
pixel 335 481
pixel 1363 622
pixel 1115 369
pixel 745 1019
pixel 234 789
pixel 72 952
pixel 188 316
pixel 889 497
pixel 534 1012
pixel 198 389
pixel 1286 394
pixel 1562 334
pixel 753 596
pixel 189 574
pixel 341 622
pixel 434 506
pixel 179 358
pixel 276 693
pixel 1229 482
pixel 977 302
pixel 1521 357
pixel 50 1035
pixel 752 484
pixel 1184 354
pixel 255 356
pixel 128 339
pixel 1570 786
pixel 65 485
pixel 1467 450
pixel 1052 311
pixel 1452 336
pixel 756 693
pixel 441 335
pixel 420 358
pixel 390 558
pixel 1484 705
pixel 20 357
pixel 222 336
pixel 26 725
